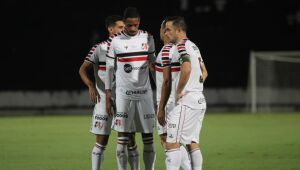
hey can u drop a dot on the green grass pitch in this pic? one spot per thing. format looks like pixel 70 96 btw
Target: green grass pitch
pixel 228 142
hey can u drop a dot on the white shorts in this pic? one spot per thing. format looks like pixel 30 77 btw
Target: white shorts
pixel 101 122
pixel 163 129
pixel 134 115
pixel 184 124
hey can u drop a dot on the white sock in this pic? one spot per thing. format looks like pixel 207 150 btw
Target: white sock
pixel 185 160
pixel 97 156
pixel 173 159
pixel 196 158
pixel 122 152
pixel 133 157
pixel 149 153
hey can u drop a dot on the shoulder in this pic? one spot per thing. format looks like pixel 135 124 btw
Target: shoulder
pixel 114 37
pixel 103 45
pixel 181 46
pixel 168 46
pixel 146 34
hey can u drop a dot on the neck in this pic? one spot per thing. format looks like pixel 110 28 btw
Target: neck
pixel 181 37
pixel 166 42
pixel 125 31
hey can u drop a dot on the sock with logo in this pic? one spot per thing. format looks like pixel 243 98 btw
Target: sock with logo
pixel 122 153
pixel 185 160
pixel 173 159
pixel 149 153
pixel 97 156
pixel 133 157
pixel 196 158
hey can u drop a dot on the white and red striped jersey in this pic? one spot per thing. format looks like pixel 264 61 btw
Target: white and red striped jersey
pixel 129 56
pixel 194 86
pixel 165 59
pixel 97 56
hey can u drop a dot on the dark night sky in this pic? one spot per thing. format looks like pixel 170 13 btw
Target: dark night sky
pixel 45 42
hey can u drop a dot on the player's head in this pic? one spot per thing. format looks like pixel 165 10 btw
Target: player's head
pixel 175 28
pixel 163 37
pixel 131 18
pixel 114 24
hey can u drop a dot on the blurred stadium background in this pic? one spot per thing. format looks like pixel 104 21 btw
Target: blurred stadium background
pixel 46 41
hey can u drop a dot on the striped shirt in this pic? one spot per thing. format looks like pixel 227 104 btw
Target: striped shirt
pixel 164 59
pixel 97 56
pixel 129 56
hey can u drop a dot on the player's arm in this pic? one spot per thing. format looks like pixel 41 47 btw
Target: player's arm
pixel 165 94
pixel 203 69
pixel 85 77
pixel 151 55
pixel 110 62
pixel 204 72
pixel 185 71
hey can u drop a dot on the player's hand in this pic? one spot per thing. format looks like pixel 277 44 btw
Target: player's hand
pixel 94 96
pixel 152 66
pixel 161 117
pixel 178 97
pixel 108 102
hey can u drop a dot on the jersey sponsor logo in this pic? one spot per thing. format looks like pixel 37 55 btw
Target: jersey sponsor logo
pixel 101 117
pixel 98 125
pixel 148 116
pixel 171 125
pixel 122 114
pixel 128 68
pixel 145 46
pixel 132 92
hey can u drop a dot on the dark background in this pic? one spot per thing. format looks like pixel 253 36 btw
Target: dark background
pixel 44 42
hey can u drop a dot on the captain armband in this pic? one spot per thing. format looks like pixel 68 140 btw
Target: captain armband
pixel 184 58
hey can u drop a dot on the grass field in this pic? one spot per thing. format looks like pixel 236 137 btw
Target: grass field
pixel 228 141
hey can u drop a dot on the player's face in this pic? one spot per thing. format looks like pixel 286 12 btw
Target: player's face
pixel 118 27
pixel 162 33
pixel 171 32
pixel 132 26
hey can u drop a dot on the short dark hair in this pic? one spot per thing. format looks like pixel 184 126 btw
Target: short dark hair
pixel 111 20
pixel 131 12
pixel 178 22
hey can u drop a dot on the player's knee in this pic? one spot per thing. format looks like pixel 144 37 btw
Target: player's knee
pixel 193 146
pixel 131 140
pixel 102 139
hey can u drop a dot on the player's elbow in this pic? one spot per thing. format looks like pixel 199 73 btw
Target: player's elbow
pixel 81 70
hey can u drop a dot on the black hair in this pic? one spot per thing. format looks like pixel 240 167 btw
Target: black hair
pixel 131 12
pixel 111 20
pixel 178 22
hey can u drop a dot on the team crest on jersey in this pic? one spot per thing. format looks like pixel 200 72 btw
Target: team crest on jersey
pixel 98 125
pixel 145 46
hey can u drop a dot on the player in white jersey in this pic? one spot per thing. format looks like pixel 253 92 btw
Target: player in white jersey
pixel 131 51
pixel 167 70
pixel 185 120
pixel 101 122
